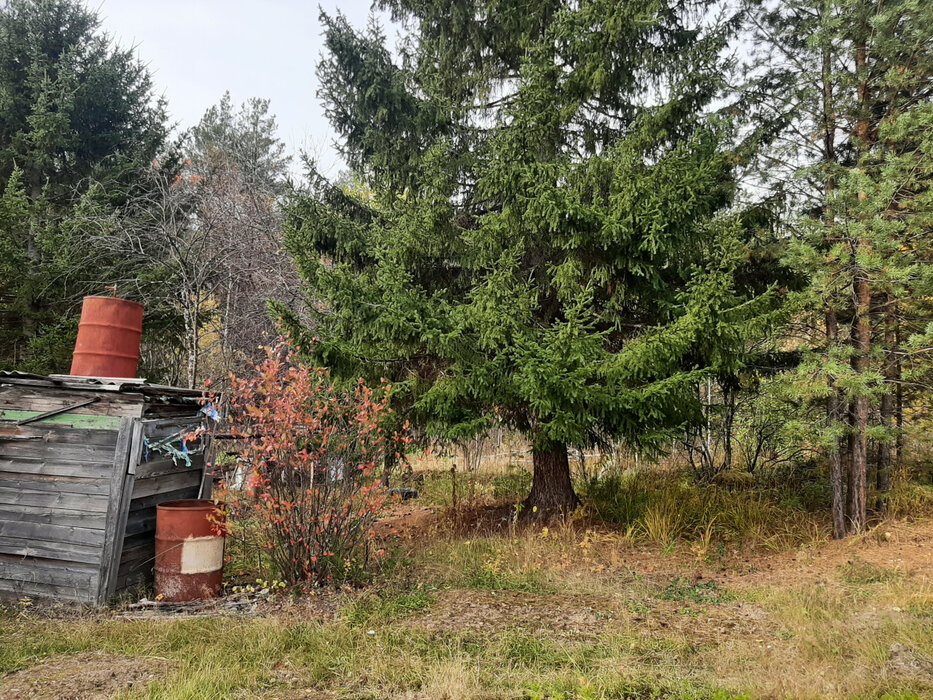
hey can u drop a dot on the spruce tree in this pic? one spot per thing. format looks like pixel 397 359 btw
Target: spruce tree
pixel 549 241
pixel 75 111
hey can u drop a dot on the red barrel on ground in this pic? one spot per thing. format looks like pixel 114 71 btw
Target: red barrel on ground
pixel 189 550
pixel 108 338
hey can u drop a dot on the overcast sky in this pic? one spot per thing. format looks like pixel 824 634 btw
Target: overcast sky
pixel 197 49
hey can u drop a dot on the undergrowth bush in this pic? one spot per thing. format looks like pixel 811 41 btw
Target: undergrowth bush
pixel 319 460
pixel 513 486
pixel 662 507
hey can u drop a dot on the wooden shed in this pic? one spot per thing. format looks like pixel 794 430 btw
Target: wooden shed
pixel 83 463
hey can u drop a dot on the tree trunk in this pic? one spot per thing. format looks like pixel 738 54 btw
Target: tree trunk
pixel 551 491
pixel 858 441
pixel 861 321
pixel 833 406
pixel 891 376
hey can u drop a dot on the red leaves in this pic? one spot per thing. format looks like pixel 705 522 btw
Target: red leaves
pixel 313 452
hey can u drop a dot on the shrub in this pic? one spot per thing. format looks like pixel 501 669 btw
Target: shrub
pixel 513 486
pixel 319 459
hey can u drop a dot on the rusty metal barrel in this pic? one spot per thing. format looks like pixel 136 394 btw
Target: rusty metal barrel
pixel 189 550
pixel 108 338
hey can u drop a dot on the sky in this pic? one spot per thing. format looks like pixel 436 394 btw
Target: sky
pixel 197 49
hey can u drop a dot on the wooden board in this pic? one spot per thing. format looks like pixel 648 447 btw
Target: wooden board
pixel 42 532
pixel 63 432
pixel 48 572
pixel 56 451
pixel 11 495
pixel 50 516
pixel 72 486
pixel 44 590
pixel 22 397
pixel 41 467
pixel 189 479
pixel 128 438
pixel 61 551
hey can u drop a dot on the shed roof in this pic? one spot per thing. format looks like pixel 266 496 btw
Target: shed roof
pixel 115 384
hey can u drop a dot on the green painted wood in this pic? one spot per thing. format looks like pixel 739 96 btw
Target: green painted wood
pixel 74 420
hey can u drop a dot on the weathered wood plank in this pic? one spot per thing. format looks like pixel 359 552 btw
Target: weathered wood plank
pixel 11 495
pixel 45 467
pixel 116 510
pixel 63 485
pixel 141 521
pixel 60 433
pixel 163 466
pixel 43 590
pixel 158 429
pixel 41 399
pixel 59 452
pixel 50 550
pixel 155 411
pixel 177 494
pixel 126 500
pixel 190 479
pixel 58 516
pixel 136 557
pixel 44 571
pixel 138 561
pixel 74 420
pixel 51 533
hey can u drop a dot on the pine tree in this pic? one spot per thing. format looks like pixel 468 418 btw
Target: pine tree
pixel 549 242
pixel 851 83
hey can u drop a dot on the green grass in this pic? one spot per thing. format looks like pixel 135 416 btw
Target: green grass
pixel 375 607
pixel 573 619
pixel 681 590
pixel 242 657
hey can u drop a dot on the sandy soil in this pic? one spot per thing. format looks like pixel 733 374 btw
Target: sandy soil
pixel 82 676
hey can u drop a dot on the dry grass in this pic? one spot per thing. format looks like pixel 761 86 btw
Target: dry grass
pixel 640 636
pixel 687 592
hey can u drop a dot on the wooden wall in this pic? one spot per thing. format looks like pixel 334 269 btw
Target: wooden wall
pixel 56 506
pixel 157 479
pixel 77 494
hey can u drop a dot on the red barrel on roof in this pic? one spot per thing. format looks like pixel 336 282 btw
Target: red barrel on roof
pixel 108 338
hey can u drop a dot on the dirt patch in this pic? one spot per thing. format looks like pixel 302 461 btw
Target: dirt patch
pixel 905 548
pixel 83 676
pixel 489 611
pixel 406 522
pixel 582 616
pixel 904 661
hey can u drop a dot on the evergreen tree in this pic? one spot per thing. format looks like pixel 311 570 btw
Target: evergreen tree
pixel 246 141
pixel 74 110
pixel 850 83
pixel 548 242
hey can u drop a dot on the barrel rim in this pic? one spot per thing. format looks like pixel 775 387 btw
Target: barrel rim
pixel 189 504
pixel 120 299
